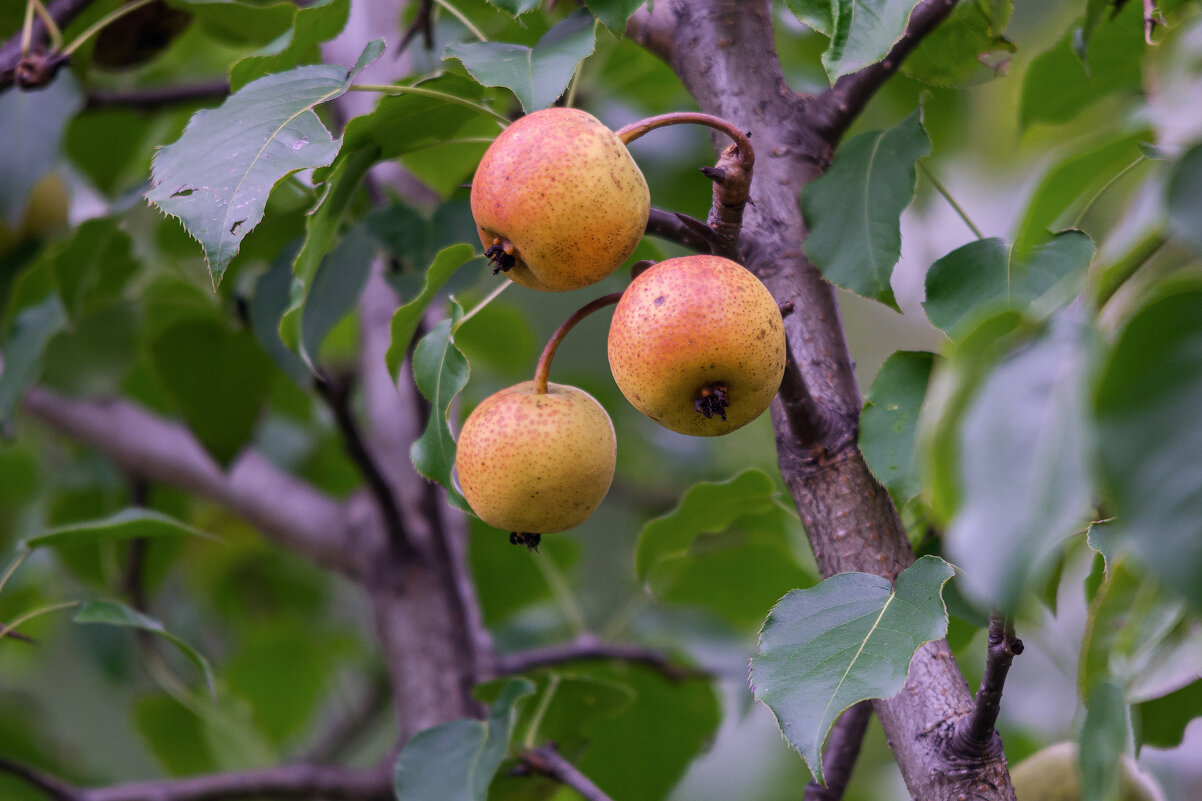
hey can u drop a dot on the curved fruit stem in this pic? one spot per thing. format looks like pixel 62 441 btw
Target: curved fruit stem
pixel 544 361
pixel 636 129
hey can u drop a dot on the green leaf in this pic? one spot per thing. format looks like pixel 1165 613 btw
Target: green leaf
pixel 849 639
pixel 238 23
pixel 1023 467
pixel 538 75
pixel 408 316
pixel 126 524
pixel 1185 198
pixel 312 25
pixel 112 613
pixel 92 267
pixel 862 32
pixel 854 209
pixel 515 7
pixel 217 378
pixel 1103 740
pixel 272 298
pixel 335 290
pixel 322 226
pixel 31 128
pixel 1104 537
pixel 1058 86
pixel 440 372
pixel 613 13
pixel 889 421
pixel 174 734
pixel 456 761
pixel 1163 720
pixel 216 177
pixel 32 331
pixel 987 275
pixel 965 49
pixel 1148 438
pixel 1072 181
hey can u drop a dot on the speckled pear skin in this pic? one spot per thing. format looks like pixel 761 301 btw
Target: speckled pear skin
pixel 692 322
pixel 564 190
pixel 535 463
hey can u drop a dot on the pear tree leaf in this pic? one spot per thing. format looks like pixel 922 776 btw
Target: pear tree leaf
pixel 613 13
pixel 862 32
pixel 216 177
pixel 854 209
pixel 965 49
pixel 456 760
pixel 113 613
pixel 441 371
pixel 889 421
pixel 987 275
pixel 1185 198
pixel 272 298
pixel 1162 721
pixel 1145 414
pixel 1023 466
pixel 312 25
pixel 126 524
pixel 322 226
pixel 846 640
pixel 408 316
pixel 537 75
pixel 1103 740
pixel 32 330
pixel 1105 538
pixel 240 23
pixel 334 291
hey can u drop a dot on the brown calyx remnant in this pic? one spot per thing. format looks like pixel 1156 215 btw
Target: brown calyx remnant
pixel 712 400
pixel 501 256
pixel 531 541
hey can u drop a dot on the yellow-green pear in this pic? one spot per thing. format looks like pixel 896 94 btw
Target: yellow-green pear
pixel 559 203
pixel 1053 775
pixel 536 463
pixel 697 344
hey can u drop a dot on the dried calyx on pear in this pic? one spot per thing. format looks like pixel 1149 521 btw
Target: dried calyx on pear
pixel 697 344
pixel 559 204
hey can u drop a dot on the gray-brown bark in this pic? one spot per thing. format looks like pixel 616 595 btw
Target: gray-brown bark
pixel 719 50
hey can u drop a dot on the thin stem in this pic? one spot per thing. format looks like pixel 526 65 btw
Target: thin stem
pixel 1111 278
pixel 12 568
pixel 544 361
pixel 941 189
pixel 391 89
pixel 563 596
pixel 548 762
pixel 45 610
pixel 636 129
pixel 459 15
pixel 975 736
pixel 589 646
pixel 27 30
pixel 56 36
pixel 537 719
pixel 100 24
pixel 489 298
pixel 1089 206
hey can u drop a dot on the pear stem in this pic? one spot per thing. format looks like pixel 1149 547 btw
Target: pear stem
pixel 636 129
pixel 544 361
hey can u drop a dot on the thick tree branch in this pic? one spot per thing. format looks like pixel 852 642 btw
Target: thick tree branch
pixel 548 762
pixel 63 11
pixel 834 110
pixel 592 648
pixel 976 735
pixel 282 507
pixel 286 781
pixel 842 751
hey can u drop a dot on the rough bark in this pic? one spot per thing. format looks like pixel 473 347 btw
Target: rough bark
pixel 721 50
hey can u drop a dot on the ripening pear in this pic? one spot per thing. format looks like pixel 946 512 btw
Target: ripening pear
pixel 1053 775
pixel 559 203
pixel 697 344
pixel 536 463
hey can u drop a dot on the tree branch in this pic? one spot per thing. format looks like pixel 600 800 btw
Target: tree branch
pixel 282 507
pixel 63 11
pixel 834 110
pixel 159 96
pixel 286 781
pixel 976 735
pixel 591 648
pixel 842 751
pixel 548 762
pixel 681 229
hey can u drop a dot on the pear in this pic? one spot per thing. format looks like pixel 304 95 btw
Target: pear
pixel 534 463
pixel 559 203
pixel 697 344
pixel 1053 775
